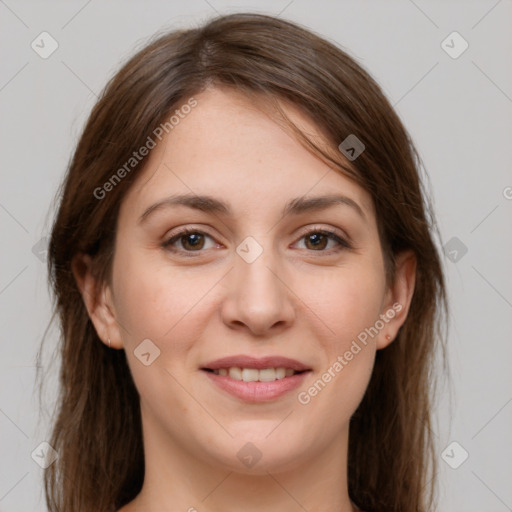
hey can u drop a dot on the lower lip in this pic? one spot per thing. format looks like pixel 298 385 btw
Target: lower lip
pixel 257 391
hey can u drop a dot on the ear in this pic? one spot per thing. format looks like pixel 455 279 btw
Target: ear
pixel 398 298
pixel 98 300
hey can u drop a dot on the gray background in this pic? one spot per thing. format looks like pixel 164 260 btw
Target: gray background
pixel 458 111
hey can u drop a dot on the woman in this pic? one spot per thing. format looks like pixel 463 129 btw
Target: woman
pixel 249 292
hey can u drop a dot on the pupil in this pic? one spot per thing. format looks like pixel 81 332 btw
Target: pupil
pixel 317 240
pixel 193 240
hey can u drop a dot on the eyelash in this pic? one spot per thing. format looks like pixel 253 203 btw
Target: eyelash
pixel 343 244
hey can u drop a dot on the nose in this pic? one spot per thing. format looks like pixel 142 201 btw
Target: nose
pixel 258 297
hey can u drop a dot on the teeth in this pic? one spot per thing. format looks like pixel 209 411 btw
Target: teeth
pixel 250 375
pixel 254 375
pixel 267 375
pixel 235 373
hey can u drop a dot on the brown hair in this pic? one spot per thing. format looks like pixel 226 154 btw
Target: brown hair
pixel 391 459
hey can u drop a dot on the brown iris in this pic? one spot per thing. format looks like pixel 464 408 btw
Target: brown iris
pixel 196 239
pixel 319 240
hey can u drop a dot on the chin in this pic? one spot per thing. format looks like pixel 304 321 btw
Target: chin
pixel 258 454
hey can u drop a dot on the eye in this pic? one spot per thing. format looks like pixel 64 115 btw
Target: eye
pixel 318 240
pixel 193 240
pixel 190 240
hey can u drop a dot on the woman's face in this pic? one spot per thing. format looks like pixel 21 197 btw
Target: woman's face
pixel 255 285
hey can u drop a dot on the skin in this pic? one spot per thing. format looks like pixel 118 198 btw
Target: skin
pixel 296 299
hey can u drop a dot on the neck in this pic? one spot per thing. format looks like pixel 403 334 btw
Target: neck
pixel 175 479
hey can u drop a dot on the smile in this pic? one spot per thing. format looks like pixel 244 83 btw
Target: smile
pixel 256 379
pixel 255 375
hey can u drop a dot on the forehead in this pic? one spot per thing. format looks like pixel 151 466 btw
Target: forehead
pixel 231 146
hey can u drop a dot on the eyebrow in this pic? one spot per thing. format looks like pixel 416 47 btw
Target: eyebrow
pixel 210 204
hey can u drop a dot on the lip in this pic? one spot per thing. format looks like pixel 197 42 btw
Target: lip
pixel 256 391
pixel 259 363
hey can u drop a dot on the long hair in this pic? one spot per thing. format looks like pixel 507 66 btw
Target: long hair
pixel 97 431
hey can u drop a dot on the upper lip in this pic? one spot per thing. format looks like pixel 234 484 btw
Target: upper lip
pixel 259 363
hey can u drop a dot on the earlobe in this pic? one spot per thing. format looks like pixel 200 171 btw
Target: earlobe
pixel 398 297
pixel 97 301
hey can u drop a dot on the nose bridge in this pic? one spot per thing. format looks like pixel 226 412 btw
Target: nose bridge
pixel 256 278
pixel 257 296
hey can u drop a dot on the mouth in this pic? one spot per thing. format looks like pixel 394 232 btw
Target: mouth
pixel 256 379
pixel 253 374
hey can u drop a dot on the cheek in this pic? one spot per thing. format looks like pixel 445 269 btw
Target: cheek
pixel 160 304
pixel 155 302
pixel 346 303
pixel 349 304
